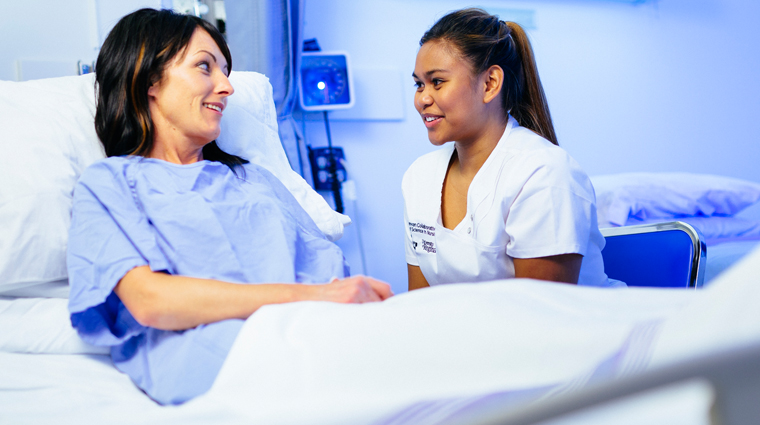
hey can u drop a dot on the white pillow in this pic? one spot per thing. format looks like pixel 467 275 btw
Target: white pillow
pixel 715 228
pixel 49 139
pixel 249 130
pixel 669 195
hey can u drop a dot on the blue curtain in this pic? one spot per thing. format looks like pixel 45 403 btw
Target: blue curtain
pixel 266 36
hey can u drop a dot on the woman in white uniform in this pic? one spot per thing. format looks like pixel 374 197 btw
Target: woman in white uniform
pixel 503 200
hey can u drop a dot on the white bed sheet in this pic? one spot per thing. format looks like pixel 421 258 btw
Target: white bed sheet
pixel 40 325
pixel 721 256
pixel 328 363
pixel 68 389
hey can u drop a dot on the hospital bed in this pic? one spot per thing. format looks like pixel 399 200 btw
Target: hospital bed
pixel 429 356
pixel 725 383
pixel 724 211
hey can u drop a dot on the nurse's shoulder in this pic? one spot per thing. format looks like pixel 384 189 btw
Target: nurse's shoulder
pixel 424 167
pixel 539 159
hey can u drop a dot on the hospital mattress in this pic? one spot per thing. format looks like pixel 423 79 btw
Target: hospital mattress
pixel 721 255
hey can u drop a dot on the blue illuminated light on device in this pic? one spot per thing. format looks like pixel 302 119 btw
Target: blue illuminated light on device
pixel 325 82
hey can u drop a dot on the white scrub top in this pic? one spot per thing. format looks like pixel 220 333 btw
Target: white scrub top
pixel 529 199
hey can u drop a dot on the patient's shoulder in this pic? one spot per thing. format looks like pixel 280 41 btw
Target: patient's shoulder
pixel 104 175
pixel 110 164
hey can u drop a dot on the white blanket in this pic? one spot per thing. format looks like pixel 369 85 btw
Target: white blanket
pixel 327 363
pixel 411 355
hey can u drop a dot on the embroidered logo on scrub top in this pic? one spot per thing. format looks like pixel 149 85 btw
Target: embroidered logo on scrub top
pixel 423 230
pixel 428 246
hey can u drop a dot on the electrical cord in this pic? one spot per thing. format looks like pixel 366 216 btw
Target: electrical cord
pixel 332 169
pixel 349 190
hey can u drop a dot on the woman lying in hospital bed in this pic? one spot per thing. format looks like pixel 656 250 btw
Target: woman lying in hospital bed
pixel 167 231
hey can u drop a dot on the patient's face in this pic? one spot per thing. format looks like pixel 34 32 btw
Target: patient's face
pixel 186 106
pixel 447 96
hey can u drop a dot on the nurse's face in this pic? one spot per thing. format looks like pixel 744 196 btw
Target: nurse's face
pixel 448 98
pixel 187 104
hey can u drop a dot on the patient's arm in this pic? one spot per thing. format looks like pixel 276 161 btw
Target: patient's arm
pixel 171 302
pixel 558 268
pixel 416 278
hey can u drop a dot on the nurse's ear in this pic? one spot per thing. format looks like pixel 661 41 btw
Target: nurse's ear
pixel 492 80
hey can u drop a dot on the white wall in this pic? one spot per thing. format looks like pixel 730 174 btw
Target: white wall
pixel 669 85
pixel 57 32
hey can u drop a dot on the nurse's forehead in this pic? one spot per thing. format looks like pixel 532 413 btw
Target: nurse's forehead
pixel 430 72
pixel 439 51
pixel 437 57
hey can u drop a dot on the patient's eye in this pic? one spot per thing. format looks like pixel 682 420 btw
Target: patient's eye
pixel 204 66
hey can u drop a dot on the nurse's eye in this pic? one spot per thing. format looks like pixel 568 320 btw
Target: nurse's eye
pixel 418 85
pixel 437 82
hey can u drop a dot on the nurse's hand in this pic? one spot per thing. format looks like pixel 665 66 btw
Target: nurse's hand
pixel 354 289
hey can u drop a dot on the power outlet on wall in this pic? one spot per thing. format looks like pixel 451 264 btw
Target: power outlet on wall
pixel 320 167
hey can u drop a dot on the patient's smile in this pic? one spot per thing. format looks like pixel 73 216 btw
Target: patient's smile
pixel 214 107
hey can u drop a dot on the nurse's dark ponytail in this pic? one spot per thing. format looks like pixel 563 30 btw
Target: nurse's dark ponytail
pixel 484 40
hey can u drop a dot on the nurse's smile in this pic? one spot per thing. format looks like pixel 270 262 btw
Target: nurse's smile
pixel 431 120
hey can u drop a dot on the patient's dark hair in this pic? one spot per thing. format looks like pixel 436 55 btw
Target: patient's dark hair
pixel 483 40
pixel 134 57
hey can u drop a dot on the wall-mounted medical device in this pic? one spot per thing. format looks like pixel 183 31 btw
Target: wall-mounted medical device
pixel 325 81
pixel 320 167
pixel 325 84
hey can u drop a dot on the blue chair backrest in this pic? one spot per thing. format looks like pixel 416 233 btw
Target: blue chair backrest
pixel 666 255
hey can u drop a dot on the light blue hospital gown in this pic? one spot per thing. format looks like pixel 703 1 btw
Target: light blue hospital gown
pixel 198 220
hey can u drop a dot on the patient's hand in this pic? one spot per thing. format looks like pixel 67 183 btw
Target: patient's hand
pixel 355 289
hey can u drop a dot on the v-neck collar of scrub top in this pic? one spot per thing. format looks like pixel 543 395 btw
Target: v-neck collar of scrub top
pixel 482 187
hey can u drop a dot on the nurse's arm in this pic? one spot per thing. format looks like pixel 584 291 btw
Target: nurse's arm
pixel 558 268
pixel 170 302
pixel 416 278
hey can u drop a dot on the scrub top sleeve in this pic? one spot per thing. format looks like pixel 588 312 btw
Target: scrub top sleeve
pixel 411 256
pixel 105 229
pixel 552 214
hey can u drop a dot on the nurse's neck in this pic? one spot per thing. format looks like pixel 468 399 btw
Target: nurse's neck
pixel 473 153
